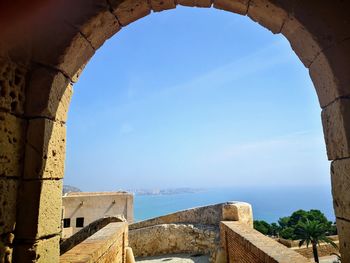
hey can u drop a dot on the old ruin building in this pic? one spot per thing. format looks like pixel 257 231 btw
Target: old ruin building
pixel 79 209
pixel 44 45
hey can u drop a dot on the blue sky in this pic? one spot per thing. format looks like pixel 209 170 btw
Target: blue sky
pixel 199 98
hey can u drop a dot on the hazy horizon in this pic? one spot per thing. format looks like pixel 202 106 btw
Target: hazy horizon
pixel 196 98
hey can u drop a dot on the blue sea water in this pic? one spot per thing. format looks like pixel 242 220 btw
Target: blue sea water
pixel 268 204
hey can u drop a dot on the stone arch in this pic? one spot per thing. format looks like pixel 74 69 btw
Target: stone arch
pixel 41 66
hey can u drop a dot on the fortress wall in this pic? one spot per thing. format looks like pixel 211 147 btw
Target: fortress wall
pixel 175 238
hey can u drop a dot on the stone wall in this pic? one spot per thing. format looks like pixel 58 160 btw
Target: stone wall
pixel 242 244
pixel 86 232
pixel 106 245
pixel 175 238
pixel 193 230
pixel 207 215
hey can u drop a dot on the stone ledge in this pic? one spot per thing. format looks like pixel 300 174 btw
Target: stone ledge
pixel 106 245
pixel 239 240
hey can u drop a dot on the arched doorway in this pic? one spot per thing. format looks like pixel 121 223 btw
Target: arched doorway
pixel 36 88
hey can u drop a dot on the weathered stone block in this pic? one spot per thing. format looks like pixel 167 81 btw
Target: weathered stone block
pixel 12 85
pixel 301 41
pixel 238 211
pixel 8 198
pixel 340 171
pixel 48 94
pixel 235 6
pixel 130 10
pixel 39 209
pixel 63 47
pixel 160 5
pixel 329 73
pixel 197 3
pixel 45 149
pixel 40 251
pixel 336 128
pixel 344 239
pixel 12 131
pixel 100 28
pixel 268 15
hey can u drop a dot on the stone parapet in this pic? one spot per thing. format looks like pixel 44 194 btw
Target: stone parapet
pixel 106 245
pixel 207 215
pixel 243 244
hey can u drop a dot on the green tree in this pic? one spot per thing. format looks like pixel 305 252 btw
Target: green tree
pixel 275 229
pixel 314 232
pixel 262 226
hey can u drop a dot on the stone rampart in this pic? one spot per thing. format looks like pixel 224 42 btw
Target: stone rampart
pixel 106 245
pixel 206 215
pixel 243 244
pixel 175 238
pixel 193 230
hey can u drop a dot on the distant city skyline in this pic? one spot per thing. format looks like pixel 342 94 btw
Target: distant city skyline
pixel 194 98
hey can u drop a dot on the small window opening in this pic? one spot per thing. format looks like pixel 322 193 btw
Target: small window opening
pixel 80 222
pixel 66 222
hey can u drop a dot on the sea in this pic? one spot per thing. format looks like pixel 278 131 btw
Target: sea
pixel 269 203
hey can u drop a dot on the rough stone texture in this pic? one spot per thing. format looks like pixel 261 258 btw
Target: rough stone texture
pixel 173 239
pixel 238 211
pixel 197 3
pixel 302 41
pixel 48 94
pixel 207 215
pixel 235 6
pixel 246 245
pixel 45 149
pixel 12 85
pixel 336 128
pixel 160 5
pixel 100 28
pixel 329 73
pixel 130 10
pixel 8 197
pixel 341 187
pixel 42 215
pixel 41 251
pixel 106 245
pixel 6 249
pixel 268 15
pixel 11 145
pixel 344 237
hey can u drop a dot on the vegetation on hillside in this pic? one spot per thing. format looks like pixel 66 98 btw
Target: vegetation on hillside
pixel 309 227
pixel 286 226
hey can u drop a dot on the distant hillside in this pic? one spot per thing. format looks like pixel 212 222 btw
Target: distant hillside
pixel 69 188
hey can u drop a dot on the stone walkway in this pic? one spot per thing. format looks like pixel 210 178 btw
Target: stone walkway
pixel 175 258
